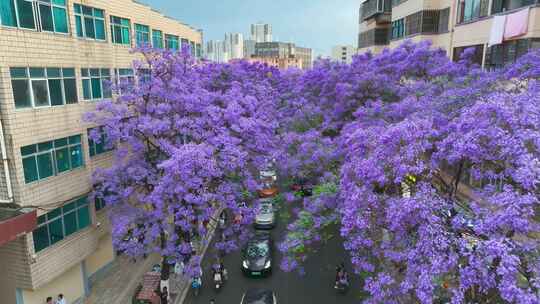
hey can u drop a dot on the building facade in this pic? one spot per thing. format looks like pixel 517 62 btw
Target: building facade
pixel 284 50
pixel 261 32
pixel 55 60
pixel 217 51
pixel 453 25
pixel 343 53
pixel 249 48
pixel 281 63
pixel 234 44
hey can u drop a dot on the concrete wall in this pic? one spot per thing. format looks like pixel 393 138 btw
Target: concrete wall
pixel 103 255
pixel 70 284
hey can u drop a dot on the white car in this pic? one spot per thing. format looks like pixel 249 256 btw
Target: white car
pixel 259 296
pixel 265 217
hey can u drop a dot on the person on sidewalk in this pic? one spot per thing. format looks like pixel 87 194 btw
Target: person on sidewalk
pixel 48 300
pixel 164 296
pixel 61 299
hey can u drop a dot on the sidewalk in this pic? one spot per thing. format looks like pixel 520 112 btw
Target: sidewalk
pixel 123 276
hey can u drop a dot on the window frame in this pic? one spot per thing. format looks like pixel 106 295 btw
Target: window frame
pixel 30 80
pixel 92 148
pixel 79 204
pixel 121 74
pixel 141 33
pixel 102 77
pixel 53 158
pixel 172 38
pixel 121 26
pixel 82 17
pixel 154 31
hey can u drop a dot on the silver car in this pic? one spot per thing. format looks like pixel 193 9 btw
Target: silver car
pixel 265 217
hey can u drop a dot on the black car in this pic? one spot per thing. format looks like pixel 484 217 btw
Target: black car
pixel 257 259
pixel 259 296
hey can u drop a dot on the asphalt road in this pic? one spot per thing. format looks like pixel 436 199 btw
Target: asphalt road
pixel 315 287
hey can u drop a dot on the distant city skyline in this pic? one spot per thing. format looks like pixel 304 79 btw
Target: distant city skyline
pixel 317 24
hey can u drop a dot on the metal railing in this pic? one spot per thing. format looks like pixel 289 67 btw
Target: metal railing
pixel 371 8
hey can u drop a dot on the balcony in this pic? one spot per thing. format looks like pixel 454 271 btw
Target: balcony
pixel 373 8
pixel 376 36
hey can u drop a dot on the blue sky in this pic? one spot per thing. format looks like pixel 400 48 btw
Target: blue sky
pixel 318 24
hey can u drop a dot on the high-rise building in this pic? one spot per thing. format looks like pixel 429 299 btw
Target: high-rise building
pixel 453 25
pixel 343 53
pixel 284 50
pixel 249 48
pixel 217 51
pixel 261 32
pixel 234 43
pixel 56 58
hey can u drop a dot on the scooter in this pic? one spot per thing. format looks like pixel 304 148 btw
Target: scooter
pixel 218 280
pixel 196 285
pixel 342 285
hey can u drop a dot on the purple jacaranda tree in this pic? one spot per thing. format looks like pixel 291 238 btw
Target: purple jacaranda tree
pixel 190 138
pixel 438 173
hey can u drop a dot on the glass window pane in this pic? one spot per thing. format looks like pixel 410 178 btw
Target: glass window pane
pixel 125 36
pixel 89 27
pixel 84 217
pixel 18 72
pixel 94 72
pixel 68 207
pixel 70 90
pixel 100 29
pixel 21 93
pixel 54 213
pixel 55 89
pixel 68 72
pixel 124 21
pixel 27 150
pixel 96 88
pixel 41 238
pixel 61 142
pixel 87 10
pixel 77 8
pixel 45 13
pixel 60 20
pixel 98 13
pixel 92 147
pixel 41 97
pixel 56 231
pixel 44 146
pixel 70 223
pixel 117 34
pixel 75 139
pixel 60 2
pixel 7 13
pixel 106 85
pixel 87 93
pixel 76 156
pixel 26 14
pixel 30 169
pixel 78 26
pixel 37 72
pixel 62 159
pixel 45 165
pixel 105 72
pixel 53 73
pixel 84 72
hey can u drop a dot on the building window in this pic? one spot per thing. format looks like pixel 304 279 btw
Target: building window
pixel 142 35
pixel 43 87
pixel 100 144
pixel 171 42
pixel 52 15
pixel 157 39
pixel 96 84
pixel 192 48
pixel 51 158
pixel 506 5
pixel 469 10
pixel 478 53
pixel 398 29
pixel 99 203
pixel 89 22
pixel 120 30
pixel 124 79
pixel 199 50
pixel 500 55
pixel 60 223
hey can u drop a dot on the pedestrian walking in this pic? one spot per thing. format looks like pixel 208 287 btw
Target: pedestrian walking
pixel 49 300
pixel 164 296
pixel 61 299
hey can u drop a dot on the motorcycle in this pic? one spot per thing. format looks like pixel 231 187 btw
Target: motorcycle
pixel 342 285
pixel 218 280
pixel 196 285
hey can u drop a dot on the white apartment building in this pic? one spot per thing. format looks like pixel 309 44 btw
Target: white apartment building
pixel 234 45
pixel 249 48
pixel 261 32
pixel 217 51
pixel 55 59
pixel 343 53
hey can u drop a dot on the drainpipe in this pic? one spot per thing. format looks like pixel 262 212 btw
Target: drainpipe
pixel 6 166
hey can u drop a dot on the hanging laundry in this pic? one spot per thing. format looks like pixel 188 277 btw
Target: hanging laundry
pixel 516 24
pixel 497 30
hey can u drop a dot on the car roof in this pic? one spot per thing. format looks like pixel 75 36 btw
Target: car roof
pixel 258 296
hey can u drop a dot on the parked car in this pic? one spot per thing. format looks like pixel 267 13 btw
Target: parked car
pixel 265 217
pixel 268 178
pixel 257 259
pixel 259 296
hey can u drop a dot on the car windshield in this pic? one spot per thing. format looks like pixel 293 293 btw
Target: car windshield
pixel 258 249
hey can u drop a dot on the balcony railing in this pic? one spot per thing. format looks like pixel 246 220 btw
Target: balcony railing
pixel 372 8
pixel 376 36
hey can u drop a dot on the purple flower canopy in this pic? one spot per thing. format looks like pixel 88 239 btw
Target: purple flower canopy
pixel 430 168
